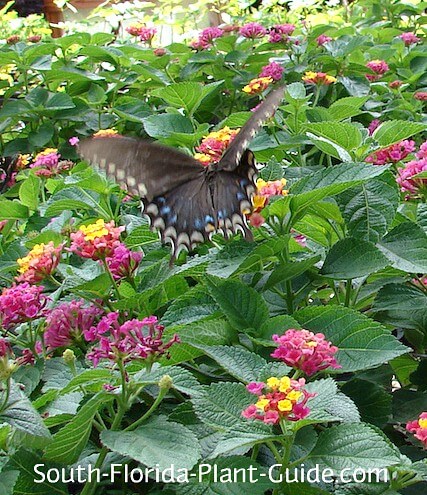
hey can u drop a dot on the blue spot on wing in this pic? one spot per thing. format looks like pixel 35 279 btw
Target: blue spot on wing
pixel 164 210
pixel 198 224
pixel 240 196
pixel 209 219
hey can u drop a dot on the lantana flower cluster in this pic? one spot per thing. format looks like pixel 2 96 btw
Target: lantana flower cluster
pixel 392 154
pixel 67 322
pixel 305 351
pixel 47 163
pixel 265 190
pixel 280 33
pixel 278 399
pixel 258 85
pixel 253 30
pixel 318 78
pixel 419 428
pixel 21 303
pixel 144 33
pixel 206 37
pixel 134 339
pixel 378 67
pixel 39 263
pixel 214 144
pixel 406 177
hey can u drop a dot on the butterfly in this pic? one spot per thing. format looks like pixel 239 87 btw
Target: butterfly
pixel 185 201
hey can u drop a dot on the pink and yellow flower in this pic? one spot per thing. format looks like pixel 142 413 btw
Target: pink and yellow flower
pixel 144 33
pixel 319 78
pixel 265 190
pixel 273 70
pixel 106 133
pixel 280 33
pixel 96 240
pixel 123 262
pixel 214 144
pixel 39 263
pixel 419 427
pixel 305 351
pixel 407 176
pixel 278 399
pixel 257 85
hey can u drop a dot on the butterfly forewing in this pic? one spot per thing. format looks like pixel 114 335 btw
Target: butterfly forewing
pixel 146 169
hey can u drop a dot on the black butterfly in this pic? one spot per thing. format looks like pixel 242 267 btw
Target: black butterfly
pixel 185 201
pixel 7 168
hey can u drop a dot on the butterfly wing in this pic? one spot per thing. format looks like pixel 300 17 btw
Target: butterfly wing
pixel 213 202
pixel 147 169
pixel 232 156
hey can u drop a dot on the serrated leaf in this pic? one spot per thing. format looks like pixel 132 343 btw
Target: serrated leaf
pixel 182 379
pixel 344 134
pixel 393 131
pixel 243 306
pixel 11 210
pixel 353 446
pixel 370 208
pixel 29 192
pixel 155 443
pixel 289 271
pixel 352 258
pixel 69 442
pixel 362 342
pixel 406 247
pixel 8 481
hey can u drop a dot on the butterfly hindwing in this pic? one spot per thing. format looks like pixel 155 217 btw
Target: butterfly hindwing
pixel 146 169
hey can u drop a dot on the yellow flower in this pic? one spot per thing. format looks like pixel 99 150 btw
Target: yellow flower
pixel 273 382
pixel 257 85
pixel 47 151
pixel 259 202
pixel 294 395
pixel 423 423
pixel 105 133
pixel 262 403
pixel 318 78
pixel 285 384
pixel 36 252
pixel 284 405
pixel 203 158
pixel 94 230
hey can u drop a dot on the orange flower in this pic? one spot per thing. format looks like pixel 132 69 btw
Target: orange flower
pixel 257 85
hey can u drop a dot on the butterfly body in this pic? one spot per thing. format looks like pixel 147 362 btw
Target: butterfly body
pixel 184 200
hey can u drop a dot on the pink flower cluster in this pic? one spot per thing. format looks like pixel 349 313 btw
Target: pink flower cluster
pixel 379 67
pixel 421 95
pixel 134 339
pixel 96 241
pixel 21 303
pixel 67 322
pixel 253 30
pixel 419 427
pixel 280 32
pixel 48 163
pixel 5 348
pixel 406 176
pixel 122 263
pixel 392 154
pixel 373 126
pixel 409 38
pixel 305 351
pixel 273 70
pixel 322 39
pixel 206 37
pixel 144 33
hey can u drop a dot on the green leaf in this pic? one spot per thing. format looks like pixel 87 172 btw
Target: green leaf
pixel 362 342
pixel 289 271
pixel 25 462
pixel 186 95
pixel 373 402
pixel 11 210
pixel 156 443
pixel 166 124
pixel 401 306
pixel 329 182
pixel 29 192
pixel 353 446
pixel 221 405
pixel 21 415
pixel 42 135
pixel 352 258
pixel 195 305
pixel 370 208
pixel 406 247
pixel 182 380
pixel 8 481
pixel 243 306
pixel 345 135
pixel 393 131
pixel 141 236
pixel 69 442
